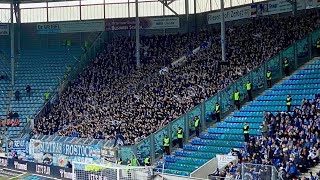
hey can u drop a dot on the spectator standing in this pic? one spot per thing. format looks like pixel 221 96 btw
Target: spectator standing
pixel 119 136
pixel 289 99
pixel 17 95
pixel 249 91
pixel 286 67
pixel 28 90
pixel 166 144
pixel 217 109
pixel 246 132
pixel 197 125
pixel 69 165
pixel 237 99
pixel 180 137
pixel 269 78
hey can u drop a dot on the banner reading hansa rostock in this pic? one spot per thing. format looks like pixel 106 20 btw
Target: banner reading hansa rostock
pixel 67 149
pixel 145 23
pixel 70 27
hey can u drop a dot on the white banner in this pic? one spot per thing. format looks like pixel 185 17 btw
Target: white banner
pixel 164 23
pixel 312 4
pixel 4 29
pixel 223 160
pixel 261 9
pixel 230 15
pixel 70 27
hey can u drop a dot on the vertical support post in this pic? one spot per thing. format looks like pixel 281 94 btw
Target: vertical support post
pixel 219 100
pixel 137 35
pixel 230 3
pixel 186 6
pixel 265 69
pixel 223 48
pixel 118 174
pixel 186 128
pixel 281 64
pixel 152 148
pixel 104 9
pixel 202 117
pixel 294 7
pixel 170 135
pixel 210 5
pixel 19 27
pixel 295 56
pixel 195 15
pixel 272 173
pixel 12 43
pixel 163 14
pixel 310 45
pixel 129 30
pixel 80 10
pixel 242 171
pixel 47 11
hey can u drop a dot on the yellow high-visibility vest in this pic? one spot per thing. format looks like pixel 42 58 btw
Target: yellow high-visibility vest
pixel 166 142
pixel 180 133
pixel 236 96
pixel 245 131
pixel 289 101
pixel 248 86
pixel 269 75
pixel 196 122
pixel 217 108
pixel 147 160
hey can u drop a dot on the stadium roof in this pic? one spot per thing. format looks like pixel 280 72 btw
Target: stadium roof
pixel 33 1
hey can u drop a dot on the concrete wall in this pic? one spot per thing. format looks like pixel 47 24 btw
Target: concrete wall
pixel 206 169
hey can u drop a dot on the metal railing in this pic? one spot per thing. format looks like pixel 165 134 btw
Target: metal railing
pixel 259 171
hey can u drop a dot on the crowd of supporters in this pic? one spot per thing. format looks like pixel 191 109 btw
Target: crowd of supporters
pixel 112 93
pixel 290 142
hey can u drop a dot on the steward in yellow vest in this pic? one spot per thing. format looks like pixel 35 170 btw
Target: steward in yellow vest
pixel 217 110
pixel 248 88
pixel 147 161
pixel 166 144
pixel 288 101
pixel 237 99
pixel 197 125
pixel 269 77
pixel 286 67
pixel 180 137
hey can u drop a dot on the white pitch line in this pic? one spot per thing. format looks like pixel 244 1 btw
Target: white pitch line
pixel 18 176
pixel 27 173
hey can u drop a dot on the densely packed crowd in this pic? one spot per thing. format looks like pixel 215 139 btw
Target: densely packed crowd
pixel 290 142
pixel 113 94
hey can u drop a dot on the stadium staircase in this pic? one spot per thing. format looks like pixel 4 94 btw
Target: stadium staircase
pixel 304 83
pixel 42 69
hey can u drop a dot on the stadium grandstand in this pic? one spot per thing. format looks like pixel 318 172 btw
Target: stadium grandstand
pixel 160 89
